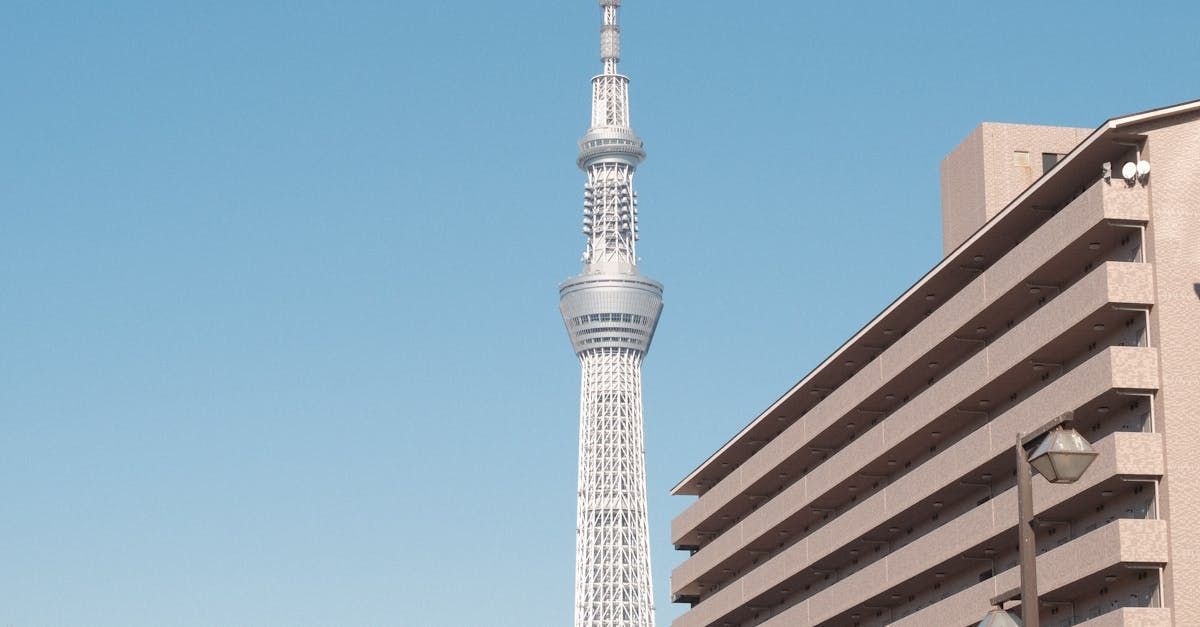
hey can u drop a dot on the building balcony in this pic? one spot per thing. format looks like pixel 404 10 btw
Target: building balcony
pixel 800 574
pixel 1088 560
pixel 1064 328
pixel 1091 229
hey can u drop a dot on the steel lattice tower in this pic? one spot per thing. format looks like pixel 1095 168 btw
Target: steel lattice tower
pixel 611 312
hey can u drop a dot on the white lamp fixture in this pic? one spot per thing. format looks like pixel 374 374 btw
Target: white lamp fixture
pixel 1062 456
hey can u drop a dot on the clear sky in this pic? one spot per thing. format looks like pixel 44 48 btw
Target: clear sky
pixel 279 339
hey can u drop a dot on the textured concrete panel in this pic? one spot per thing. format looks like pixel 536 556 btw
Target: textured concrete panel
pixel 994 164
pixel 1174 233
pixel 1133 617
pixel 994 517
pixel 1143 541
pixel 1116 367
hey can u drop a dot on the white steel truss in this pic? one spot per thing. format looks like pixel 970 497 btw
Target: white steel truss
pixel 610 215
pixel 611 312
pixel 612 572
pixel 610 100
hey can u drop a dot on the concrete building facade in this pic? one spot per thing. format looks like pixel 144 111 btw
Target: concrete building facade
pixel 879 490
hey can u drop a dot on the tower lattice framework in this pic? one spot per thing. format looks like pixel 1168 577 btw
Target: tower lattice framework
pixel 611 312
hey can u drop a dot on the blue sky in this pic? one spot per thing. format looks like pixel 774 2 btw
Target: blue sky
pixel 278 332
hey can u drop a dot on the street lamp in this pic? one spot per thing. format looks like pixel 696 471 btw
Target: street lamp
pixel 1061 455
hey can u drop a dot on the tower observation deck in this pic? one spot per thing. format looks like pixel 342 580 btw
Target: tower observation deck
pixel 611 311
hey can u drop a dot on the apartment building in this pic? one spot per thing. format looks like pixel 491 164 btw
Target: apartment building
pixel 880 489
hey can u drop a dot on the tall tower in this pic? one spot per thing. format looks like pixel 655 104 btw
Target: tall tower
pixel 611 311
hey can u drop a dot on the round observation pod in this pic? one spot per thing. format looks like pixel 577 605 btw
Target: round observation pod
pixel 610 311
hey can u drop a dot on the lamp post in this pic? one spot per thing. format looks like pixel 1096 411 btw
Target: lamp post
pixel 1061 455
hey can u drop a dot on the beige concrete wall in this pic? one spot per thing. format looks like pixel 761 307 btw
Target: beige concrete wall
pixel 990 167
pixel 1133 617
pixel 964 193
pixel 1174 245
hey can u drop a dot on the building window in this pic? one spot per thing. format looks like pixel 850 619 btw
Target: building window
pixel 1049 160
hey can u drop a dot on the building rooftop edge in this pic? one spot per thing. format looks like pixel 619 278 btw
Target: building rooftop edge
pixel 1109 126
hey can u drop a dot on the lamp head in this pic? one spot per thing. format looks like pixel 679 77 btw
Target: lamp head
pixel 1062 456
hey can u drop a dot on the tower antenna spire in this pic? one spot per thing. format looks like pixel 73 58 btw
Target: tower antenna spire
pixel 611 312
pixel 610 36
pixel 609 153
